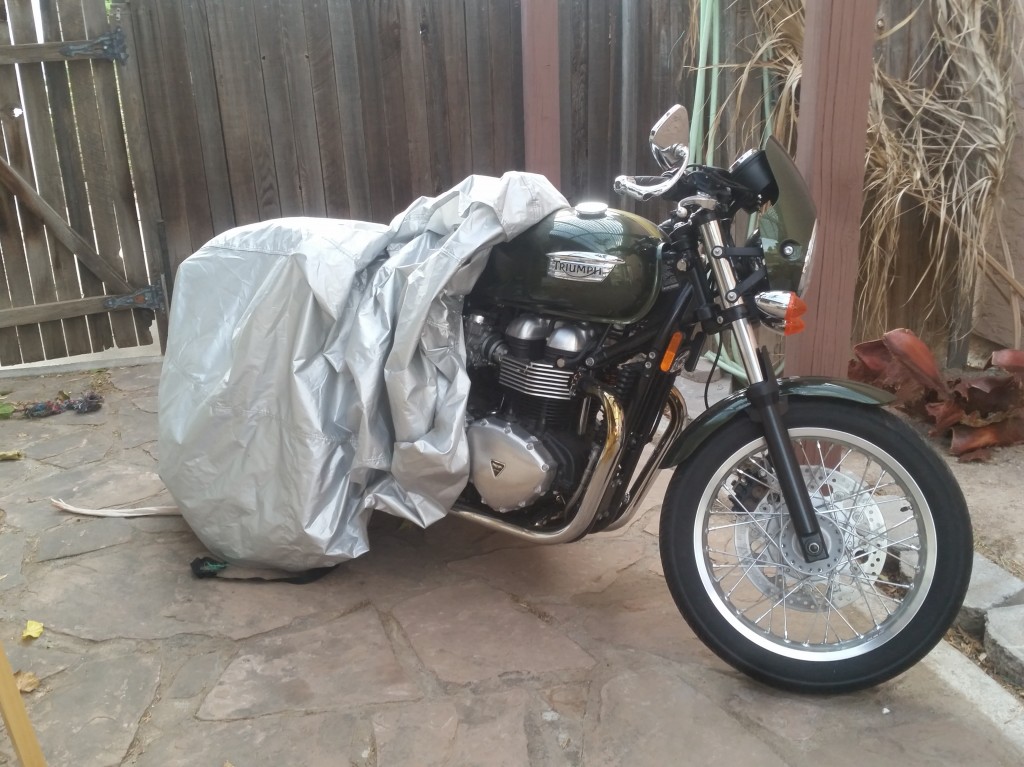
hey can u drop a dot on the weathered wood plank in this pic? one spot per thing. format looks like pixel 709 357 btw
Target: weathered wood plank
pixel 37 53
pixel 78 20
pixel 299 85
pixel 143 172
pixel 59 87
pixel 517 126
pixel 389 46
pixel 176 142
pixel 33 232
pixel 435 92
pixel 72 337
pixel 505 71
pixel 541 96
pixel 445 40
pixel 29 197
pixel 575 173
pixel 326 108
pixel 57 310
pixel 274 45
pixel 10 348
pixel 16 266
pixel 478 70
pixel 382 204
pixel 350 98
pixel 413 68
pixel 122 192
pixel 272 54
pixel 235 62
pixel 602 97
pixel 199 60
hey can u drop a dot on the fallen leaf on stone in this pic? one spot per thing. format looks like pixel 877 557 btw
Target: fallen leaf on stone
pixel 11 455
pixel 33 630
pixel 26 681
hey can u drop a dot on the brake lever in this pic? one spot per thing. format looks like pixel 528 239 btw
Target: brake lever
pixel 627 185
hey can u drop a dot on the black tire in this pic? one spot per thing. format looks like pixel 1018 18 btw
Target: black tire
pixel 899 537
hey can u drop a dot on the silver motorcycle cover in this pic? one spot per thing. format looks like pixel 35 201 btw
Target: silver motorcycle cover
pixel 315 372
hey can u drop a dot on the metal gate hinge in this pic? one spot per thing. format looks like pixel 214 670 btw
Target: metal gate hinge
pixel 110 46
pixel 149 297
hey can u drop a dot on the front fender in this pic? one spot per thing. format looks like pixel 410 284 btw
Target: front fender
pixel 721 413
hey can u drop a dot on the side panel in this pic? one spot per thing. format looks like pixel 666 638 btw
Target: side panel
pixel 713 419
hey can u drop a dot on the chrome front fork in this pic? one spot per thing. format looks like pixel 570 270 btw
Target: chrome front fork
pixel 763 394
pixel 714 245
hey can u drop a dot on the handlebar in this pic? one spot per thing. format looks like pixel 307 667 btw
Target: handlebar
pixel 644 188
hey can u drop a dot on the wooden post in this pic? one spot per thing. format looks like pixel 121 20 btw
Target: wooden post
pixel 541 103
pixel 832 133
pixel 19 729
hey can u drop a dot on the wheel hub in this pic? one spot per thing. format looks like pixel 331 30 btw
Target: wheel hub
pixel 854 531
pixel 793 555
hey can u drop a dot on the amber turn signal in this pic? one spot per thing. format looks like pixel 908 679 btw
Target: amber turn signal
pixel 782 310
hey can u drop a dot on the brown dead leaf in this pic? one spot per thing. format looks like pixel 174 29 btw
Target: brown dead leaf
pixel 946 415
pixel 916 357
pixel 1008 432
pixel 980 455
pixel 871 359
pixel 26 681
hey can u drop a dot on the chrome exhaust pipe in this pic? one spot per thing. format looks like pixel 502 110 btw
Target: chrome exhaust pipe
pixel 597 487
pixel 642 485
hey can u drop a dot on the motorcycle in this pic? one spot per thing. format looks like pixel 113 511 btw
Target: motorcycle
pixel 810 538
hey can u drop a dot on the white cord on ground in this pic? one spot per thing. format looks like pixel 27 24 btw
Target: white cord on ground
pixel 144 511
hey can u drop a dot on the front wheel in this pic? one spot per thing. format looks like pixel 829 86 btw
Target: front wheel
pixel 898 535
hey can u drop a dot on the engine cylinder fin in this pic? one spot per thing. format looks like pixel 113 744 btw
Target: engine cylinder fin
pixel 540 379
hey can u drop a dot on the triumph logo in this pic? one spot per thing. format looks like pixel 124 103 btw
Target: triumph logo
pixel 581 266
pixel 497 467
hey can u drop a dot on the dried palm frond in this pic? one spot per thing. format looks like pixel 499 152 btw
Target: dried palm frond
pixel 938 146
pixel 939 140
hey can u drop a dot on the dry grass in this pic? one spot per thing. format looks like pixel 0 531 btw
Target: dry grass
pixel 939 140
pixel 938 147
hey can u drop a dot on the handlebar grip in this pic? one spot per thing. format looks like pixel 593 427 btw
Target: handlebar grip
pixel 635 187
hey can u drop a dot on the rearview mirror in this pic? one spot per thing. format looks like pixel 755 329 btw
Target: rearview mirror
pixel 669 138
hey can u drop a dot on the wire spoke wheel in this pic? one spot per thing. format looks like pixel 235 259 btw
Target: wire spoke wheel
pixel 865 589
pixel 896 530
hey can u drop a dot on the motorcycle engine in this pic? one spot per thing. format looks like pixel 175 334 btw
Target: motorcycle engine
pixel 525 409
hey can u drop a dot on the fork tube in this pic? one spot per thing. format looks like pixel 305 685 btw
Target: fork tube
pixel 763 394
pixel 726 279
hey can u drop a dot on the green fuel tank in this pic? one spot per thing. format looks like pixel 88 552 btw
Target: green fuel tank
pixel 589 263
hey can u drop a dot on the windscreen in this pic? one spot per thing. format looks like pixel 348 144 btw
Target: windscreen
pixel 788 227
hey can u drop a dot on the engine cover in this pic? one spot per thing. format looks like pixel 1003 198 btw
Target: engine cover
pixel 509 467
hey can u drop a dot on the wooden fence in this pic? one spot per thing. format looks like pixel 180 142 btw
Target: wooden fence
pixel 244 110
pixel 70 234
pixel 265 108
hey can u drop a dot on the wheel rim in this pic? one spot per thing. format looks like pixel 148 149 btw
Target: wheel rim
pixel 878 527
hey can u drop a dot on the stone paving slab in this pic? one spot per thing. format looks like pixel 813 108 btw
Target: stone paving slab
pixel 447 646
pixel 1004 641
pixel 991 586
